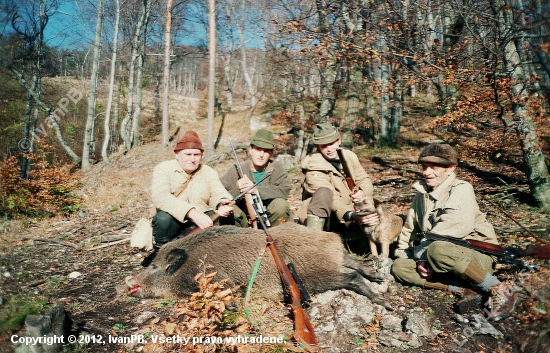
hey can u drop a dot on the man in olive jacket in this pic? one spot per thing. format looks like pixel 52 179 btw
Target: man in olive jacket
pixel 273 191
pixel 328 201
pixel 446 205
pixel 183 190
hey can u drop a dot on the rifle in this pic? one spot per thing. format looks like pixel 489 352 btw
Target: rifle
pixel 251 199
pixel 304 333
pixel 509 255
pixel 347 171
pixel 192 227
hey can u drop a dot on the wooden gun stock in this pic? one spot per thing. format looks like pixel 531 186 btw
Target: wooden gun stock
pixel 303 331
pixel 249 202
pixel 347 171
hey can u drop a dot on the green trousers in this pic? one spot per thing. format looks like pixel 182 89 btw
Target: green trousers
pixel 446 259
pixel 277 209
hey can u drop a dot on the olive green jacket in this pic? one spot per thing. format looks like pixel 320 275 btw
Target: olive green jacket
pixel 277 185
pixel 203 189
pixel 451 209
pixel 320 173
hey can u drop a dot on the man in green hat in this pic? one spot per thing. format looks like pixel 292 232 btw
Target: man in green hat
pixel 273 191
pixel 328 201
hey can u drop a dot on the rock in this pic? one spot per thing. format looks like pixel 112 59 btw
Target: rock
pixel 7 274
pixel 392 323
pixel 53 323
pixel 74 274
pixel 286 160
pixel 144 316
pixel 483 327
pixel 419 323
pixel 256 123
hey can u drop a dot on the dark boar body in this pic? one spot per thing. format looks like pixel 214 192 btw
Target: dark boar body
pixel 319 258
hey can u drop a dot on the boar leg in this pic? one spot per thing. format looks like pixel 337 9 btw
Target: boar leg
pixel 354 281
pixel 362 270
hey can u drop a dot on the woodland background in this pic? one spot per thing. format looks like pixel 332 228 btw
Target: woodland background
pixel 73 76
pixel 93 94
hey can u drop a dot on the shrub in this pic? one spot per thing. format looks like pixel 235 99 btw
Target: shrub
pixel 47 192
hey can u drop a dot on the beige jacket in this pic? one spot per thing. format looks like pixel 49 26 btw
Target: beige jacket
pixel 203 192
pixel 319 172
pixel 451 210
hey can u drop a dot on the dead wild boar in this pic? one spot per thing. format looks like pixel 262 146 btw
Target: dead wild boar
pixel 319 258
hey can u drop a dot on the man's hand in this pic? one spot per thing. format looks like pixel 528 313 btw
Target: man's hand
pixel 224 209
pixel 359 196
pixel 202 220
pixel 424 269
pixel 369 220
pixel 244 183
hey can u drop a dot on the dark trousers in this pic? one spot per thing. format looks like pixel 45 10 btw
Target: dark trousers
pixel 166 227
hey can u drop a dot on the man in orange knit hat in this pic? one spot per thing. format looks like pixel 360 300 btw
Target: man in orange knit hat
pixel 184 191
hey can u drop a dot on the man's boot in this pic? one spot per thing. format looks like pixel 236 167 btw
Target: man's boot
pixel 469 300
pixel 314 221
pixel 502 302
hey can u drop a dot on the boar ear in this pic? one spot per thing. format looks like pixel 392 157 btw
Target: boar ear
pixel 176 258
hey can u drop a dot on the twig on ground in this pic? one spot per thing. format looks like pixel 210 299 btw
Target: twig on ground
pixel 109 244
pixel 53 241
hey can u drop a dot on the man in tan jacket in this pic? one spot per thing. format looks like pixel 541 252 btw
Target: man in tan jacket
pixel 446 205
pixel 328 201
pixel 183 190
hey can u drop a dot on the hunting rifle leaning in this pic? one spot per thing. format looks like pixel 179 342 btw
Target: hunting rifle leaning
pixel 303 331
pixel 251 200
pixel 509 255
pixel 192 227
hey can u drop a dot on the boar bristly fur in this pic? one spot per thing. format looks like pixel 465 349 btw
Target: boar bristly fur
pixel 319 258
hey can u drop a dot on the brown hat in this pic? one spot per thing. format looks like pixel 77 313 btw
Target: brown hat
pixel 189 140
pixel 440 153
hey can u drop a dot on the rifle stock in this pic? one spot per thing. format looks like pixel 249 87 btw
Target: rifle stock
pixel 347 171
pixel 303 333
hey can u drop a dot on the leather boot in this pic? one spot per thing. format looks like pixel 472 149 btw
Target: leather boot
pixel 469 300
pixel 502 302
pixel 314 221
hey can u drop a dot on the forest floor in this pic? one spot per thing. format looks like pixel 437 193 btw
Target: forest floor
pixel 36 274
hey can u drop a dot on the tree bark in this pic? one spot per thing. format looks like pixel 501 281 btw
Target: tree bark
pixel 166 76
pixel 107 136
pixel 523 122
pixel 211 76
pixel 92 95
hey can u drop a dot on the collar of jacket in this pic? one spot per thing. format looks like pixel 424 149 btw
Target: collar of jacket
pixel 322 165
pixel 440 191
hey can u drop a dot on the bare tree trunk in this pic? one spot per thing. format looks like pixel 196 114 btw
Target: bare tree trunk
pixel 136 118
pixel 241 29
pixel 523 122
pixel 211 76
pixel 50 111
pixel 125 125
pixel 92 95
pixel 166 76
pixel 107 136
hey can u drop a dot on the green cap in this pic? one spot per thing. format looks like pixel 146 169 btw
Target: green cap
pixel 263 139
pixel 324 133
